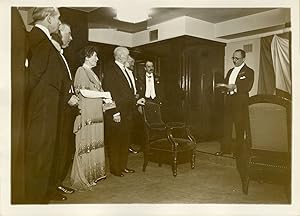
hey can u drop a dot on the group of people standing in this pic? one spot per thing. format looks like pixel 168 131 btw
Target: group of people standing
pixel 101 114
pixel 60 106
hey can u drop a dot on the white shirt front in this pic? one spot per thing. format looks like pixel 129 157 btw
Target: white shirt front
pixel 66 63
pixel 234 74
pixel 150 88
pixel 131 76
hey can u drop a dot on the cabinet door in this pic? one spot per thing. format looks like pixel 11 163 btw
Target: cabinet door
pixel 201 67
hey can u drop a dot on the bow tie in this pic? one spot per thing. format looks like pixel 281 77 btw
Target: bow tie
pixel 149 76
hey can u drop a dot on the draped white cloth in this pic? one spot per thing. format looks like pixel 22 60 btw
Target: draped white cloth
pixel 281 63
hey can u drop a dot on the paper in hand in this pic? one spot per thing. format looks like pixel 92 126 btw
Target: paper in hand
pixel 95 94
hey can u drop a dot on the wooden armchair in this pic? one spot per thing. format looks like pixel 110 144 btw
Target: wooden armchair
pixel 267 157
pixel 166 143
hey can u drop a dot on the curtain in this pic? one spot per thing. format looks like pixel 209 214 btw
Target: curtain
pixel 281 63
pixel 266 81
pixel 274 68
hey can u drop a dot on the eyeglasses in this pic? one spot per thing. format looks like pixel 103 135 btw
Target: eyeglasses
pixel 235 58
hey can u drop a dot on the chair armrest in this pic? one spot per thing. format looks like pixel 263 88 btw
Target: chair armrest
pixel 181 128
pixel 171 139
pixel 189 134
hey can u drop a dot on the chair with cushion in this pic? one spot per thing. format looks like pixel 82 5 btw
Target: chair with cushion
pixel 166 143
pixel 268 155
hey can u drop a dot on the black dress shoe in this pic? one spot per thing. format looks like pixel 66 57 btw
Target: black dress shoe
pixel 127 170
pixel 132 151
pixel 57 197
pixel 119 175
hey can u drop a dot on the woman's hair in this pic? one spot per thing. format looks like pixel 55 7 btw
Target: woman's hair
pixel 87 51
pixel 40 13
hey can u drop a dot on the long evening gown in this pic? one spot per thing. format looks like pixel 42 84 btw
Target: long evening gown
pixel 89 159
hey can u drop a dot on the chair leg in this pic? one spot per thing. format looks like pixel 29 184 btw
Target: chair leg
pixel 245 184
pixel 174 170
pixel 193 160
pixel 174 166
pixel 145 162
pixel 144 166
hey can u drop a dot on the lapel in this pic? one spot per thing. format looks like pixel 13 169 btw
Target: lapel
pixel 242 72
pixel 66 66
pixel 228 75
pixel 119 73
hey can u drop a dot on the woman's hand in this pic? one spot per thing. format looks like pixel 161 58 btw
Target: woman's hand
pixel 74 100
pixel 107 100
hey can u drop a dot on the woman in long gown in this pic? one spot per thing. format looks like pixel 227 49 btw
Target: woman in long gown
pixel 89 159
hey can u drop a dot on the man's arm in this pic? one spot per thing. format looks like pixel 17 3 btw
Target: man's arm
pixel 38 63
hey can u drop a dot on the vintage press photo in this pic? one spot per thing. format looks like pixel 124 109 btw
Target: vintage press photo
pixel 240 153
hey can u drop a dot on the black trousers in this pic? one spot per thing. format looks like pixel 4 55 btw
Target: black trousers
pixel 64 150
pixel 117 139
pixel 234 116
pixel 137 135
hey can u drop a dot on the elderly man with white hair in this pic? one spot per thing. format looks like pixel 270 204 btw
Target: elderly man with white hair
pixel 118 121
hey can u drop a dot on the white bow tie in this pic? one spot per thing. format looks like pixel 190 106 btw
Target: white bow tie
pixel 149 76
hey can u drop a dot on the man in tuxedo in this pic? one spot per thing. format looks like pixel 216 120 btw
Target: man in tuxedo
pixel 238 83
pixel 46 72
pixel 118 121
pixel 136 126
pixel 66 145
pixel 148 85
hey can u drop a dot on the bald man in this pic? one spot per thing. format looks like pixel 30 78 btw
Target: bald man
pixel 118 121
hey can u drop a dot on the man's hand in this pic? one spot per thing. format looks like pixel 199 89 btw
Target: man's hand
pixel 73 100
pixel 232 89
pixel 117 118
pixel 141 101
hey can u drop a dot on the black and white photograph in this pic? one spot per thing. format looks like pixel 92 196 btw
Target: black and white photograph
pixel 140 107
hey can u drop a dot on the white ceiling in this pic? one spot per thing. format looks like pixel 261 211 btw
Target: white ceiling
pixel 102 17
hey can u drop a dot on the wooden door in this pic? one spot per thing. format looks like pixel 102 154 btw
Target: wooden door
pixel 200 68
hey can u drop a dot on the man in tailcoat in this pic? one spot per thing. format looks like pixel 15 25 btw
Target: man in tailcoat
pixel 148 85
pixel 46 73
pixel 238 83
pixel 118 121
